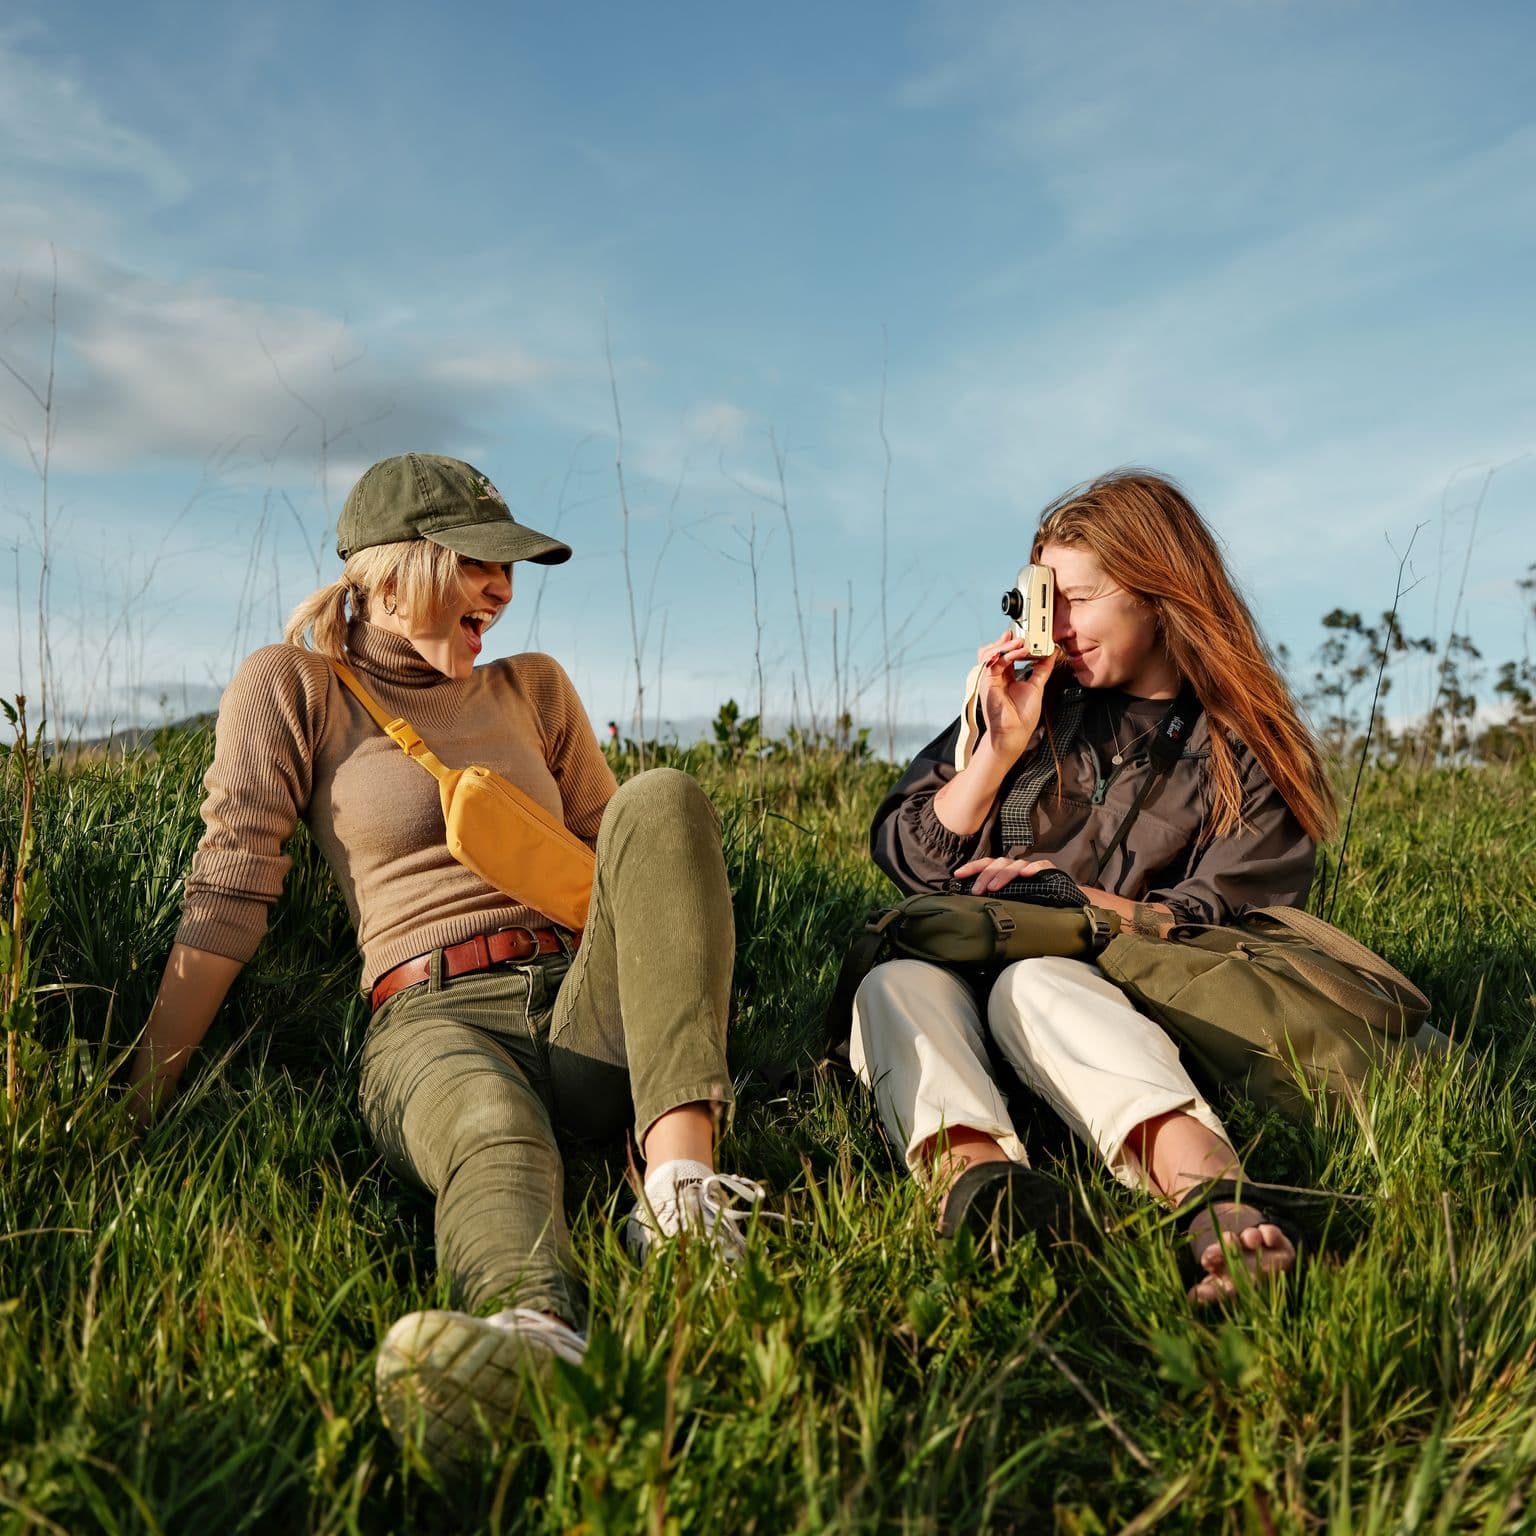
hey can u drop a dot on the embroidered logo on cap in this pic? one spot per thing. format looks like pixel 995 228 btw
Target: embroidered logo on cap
pixel 488 492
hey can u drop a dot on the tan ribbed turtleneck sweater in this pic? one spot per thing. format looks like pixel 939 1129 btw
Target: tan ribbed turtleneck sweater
pixel 292 743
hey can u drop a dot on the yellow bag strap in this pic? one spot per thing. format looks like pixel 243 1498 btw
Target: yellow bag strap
pixel 399 731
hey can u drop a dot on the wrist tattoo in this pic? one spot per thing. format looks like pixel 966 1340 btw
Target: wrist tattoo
pixel 1147 920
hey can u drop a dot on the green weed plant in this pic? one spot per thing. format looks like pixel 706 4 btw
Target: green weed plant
pixel 188 1317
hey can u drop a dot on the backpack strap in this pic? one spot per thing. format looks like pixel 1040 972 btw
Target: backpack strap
pixel 1381 995
pixel 1166 748
pixel 399 731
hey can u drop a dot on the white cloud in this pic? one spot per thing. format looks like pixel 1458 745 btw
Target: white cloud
pixel 151 371
pixel 55 136
pixel 48 123
pixel 718 421
pixel 1139 126
pixel 502 367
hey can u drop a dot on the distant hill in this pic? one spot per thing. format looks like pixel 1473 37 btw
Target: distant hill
pixel 135 739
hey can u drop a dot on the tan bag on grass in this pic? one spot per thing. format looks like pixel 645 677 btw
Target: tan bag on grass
pixel 493 828
pixel 1279 990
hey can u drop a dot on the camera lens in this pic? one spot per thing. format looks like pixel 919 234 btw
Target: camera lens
pixel 1013 603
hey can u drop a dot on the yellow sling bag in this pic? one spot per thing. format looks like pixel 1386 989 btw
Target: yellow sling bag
pixel 508 839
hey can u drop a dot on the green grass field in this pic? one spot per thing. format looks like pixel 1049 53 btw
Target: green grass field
pixel 188 1318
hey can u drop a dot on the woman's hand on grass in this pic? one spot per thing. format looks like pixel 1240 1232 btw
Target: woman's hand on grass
pixel 192 989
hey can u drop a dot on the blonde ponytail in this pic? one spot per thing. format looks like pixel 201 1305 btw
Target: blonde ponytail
pixel 320 622
pixel 418 573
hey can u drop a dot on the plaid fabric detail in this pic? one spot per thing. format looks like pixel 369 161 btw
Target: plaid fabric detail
pixel 1050 888
pixel 1016 814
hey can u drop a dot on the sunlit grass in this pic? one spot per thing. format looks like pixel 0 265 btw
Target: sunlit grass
pixel 187 1319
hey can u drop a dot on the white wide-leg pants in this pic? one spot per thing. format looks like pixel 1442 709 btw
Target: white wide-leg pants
pixel 1070 1035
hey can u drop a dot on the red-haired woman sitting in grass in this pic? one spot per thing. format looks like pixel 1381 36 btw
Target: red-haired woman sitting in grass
pixel 1147 623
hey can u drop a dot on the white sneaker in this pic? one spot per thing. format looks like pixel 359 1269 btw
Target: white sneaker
pixel 677 1202
pixel 454 1378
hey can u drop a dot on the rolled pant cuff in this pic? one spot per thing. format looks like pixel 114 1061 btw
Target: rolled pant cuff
pixel 717 1092
pixel 1111 1140
pixel 923 1133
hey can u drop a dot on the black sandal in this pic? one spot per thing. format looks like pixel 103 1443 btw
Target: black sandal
pixel 998 1203
pixel 1199 1226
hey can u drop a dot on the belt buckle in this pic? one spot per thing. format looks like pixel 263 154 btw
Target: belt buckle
pixel 529 939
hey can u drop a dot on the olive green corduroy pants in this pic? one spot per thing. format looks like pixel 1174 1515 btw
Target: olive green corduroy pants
pixel 467 1084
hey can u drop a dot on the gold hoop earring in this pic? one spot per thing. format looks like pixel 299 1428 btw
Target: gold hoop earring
pixel 388 604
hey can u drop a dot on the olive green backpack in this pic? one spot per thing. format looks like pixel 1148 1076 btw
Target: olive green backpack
pixel 976 935
pixel 1278 996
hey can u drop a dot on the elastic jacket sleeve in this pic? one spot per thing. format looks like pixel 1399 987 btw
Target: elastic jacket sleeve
pixel 907 840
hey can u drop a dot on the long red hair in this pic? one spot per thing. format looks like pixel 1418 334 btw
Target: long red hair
pixel 1151 542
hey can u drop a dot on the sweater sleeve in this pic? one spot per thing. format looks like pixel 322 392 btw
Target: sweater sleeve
pixel 259 784
pixel 575 760
pixel 1268 861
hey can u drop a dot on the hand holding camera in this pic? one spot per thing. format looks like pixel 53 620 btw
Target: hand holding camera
pixel 1011 691
pixel 1005 689
pixel 1011 701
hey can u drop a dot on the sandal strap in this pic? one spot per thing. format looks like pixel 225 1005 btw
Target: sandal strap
pixel 1035 1199
pixel 1213 1193
pixel 1236 1192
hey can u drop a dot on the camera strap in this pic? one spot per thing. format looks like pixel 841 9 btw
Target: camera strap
pixel 970 717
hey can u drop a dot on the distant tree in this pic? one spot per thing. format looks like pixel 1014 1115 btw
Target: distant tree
pixel 1348 662
pixel 1448 729
pixel 1516 687
pixel 736 735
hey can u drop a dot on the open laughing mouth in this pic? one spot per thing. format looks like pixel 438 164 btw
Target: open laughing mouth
pixel 474 625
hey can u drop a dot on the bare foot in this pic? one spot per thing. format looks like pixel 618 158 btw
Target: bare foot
pixel 1227 1231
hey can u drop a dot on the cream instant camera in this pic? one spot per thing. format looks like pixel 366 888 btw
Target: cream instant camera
pixel 1030 605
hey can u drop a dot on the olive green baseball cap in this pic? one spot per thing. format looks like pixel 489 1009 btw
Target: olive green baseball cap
pixel 427 496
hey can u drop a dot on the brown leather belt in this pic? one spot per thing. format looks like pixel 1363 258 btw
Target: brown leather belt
pixel 507 946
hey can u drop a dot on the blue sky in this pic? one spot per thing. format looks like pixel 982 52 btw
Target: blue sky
pixel 1280 250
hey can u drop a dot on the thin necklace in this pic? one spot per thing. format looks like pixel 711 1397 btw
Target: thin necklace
pixel 1114 730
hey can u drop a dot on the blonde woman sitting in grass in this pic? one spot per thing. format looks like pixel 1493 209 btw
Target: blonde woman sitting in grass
pixel 493 1034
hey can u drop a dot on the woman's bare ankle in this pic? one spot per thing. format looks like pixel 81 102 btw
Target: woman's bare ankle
pixel 954 1150
pixel 1179 1154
